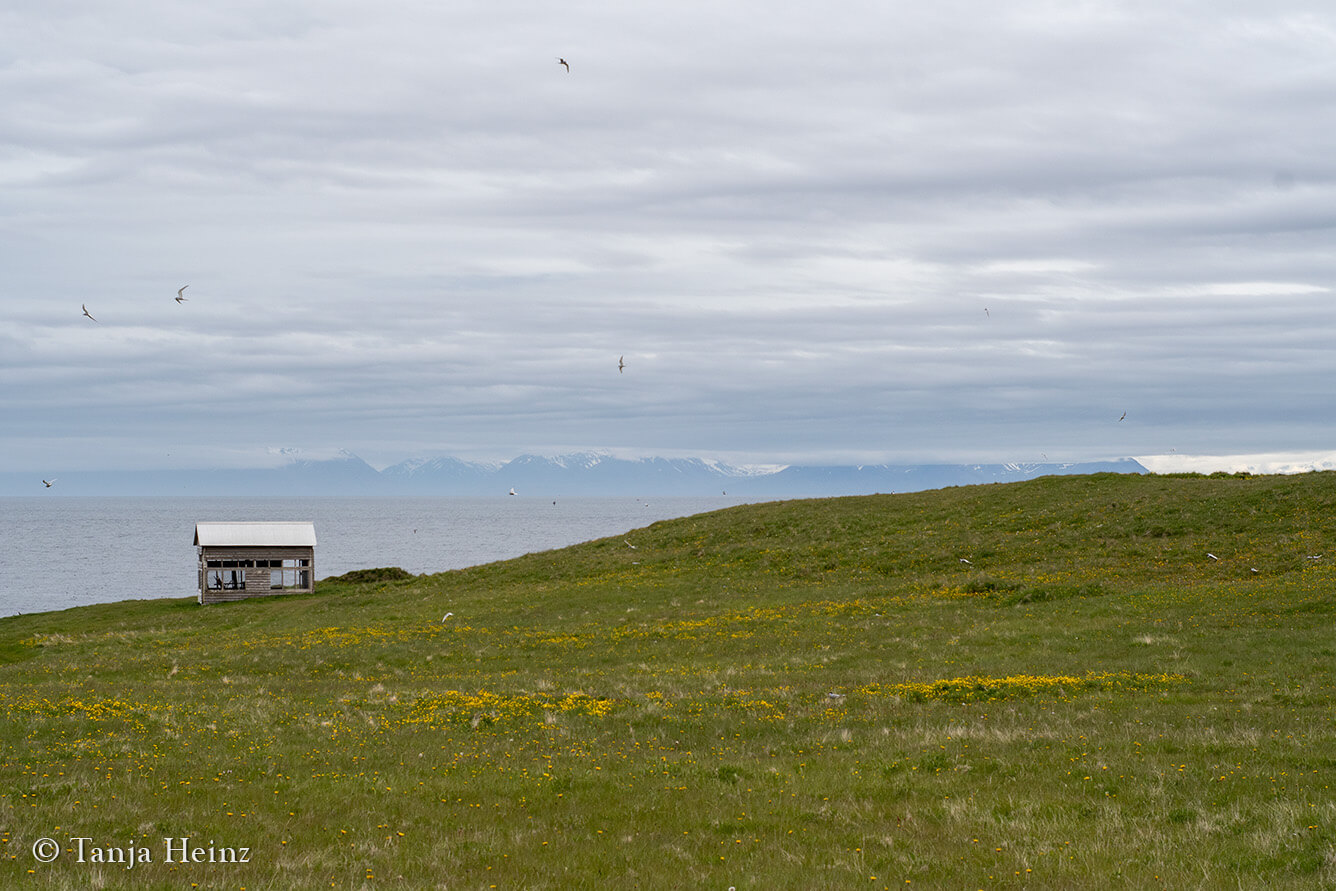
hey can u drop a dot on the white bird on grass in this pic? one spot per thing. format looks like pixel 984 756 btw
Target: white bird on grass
pixel 963 560
pixel 1212 556
pixel 446 616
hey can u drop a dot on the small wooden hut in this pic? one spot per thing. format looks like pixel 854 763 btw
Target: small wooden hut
pixel 241 560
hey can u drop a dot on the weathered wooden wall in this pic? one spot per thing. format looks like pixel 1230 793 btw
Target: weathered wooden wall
pixel 257 580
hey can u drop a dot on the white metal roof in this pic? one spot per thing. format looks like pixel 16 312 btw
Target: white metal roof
pixel 255 534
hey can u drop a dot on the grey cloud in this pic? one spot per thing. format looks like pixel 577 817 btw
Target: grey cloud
pixel 408 225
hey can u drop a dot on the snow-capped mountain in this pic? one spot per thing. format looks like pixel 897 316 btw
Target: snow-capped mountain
pixel 586 473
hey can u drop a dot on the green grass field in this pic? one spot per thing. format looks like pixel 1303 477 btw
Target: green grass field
pixel 804 694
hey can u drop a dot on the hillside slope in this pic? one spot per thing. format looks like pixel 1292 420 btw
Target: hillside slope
pixel 1106 680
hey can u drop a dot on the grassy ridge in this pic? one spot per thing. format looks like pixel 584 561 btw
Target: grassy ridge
pixel 1043 685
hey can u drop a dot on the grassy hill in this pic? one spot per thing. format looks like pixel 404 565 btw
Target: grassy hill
pixel 1094 681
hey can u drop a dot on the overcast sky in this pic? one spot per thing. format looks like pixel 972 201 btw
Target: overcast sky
pixel 873 231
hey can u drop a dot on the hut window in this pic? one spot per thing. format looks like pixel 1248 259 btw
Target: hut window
pixel 290 572
pixel 289 578
pixel 225 579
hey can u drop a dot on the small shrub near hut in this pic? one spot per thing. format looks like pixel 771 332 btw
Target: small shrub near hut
pixel 366 576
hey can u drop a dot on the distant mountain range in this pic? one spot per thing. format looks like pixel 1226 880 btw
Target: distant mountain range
pixel 567 475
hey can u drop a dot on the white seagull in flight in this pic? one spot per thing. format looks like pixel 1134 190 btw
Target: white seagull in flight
pixel 180 297
pixel 87 313
pixel 48 483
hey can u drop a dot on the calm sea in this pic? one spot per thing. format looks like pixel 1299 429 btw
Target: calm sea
pixel 60 552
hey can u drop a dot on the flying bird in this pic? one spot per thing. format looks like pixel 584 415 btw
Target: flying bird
pixel 565 63
pixel 180 297
pixel 621 363
pixel 87 313
pixel 963 560
pixel 1124 415
pixel 446 616
pixel 512 490
pixel 48 483
pixel 1212 556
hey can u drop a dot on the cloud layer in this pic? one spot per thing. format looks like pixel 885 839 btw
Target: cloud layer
pixel 903 232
